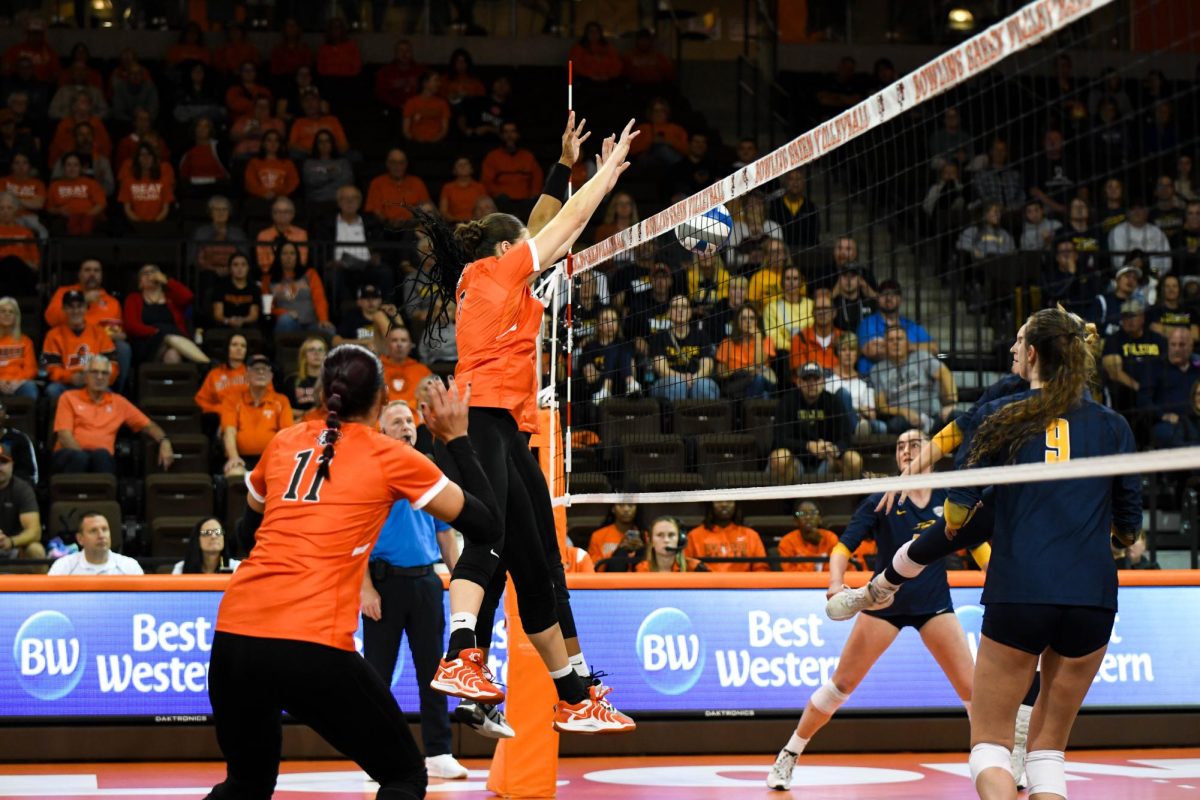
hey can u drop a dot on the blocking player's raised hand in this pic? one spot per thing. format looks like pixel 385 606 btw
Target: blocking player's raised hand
pixel 572 140
pixel 445 412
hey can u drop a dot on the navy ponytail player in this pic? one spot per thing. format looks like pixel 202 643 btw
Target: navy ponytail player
pixel 1030 611
pixel 925 606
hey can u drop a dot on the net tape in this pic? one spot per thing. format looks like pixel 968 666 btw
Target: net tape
pixel 1020 30
pixel 1182 458
pixel 1016 32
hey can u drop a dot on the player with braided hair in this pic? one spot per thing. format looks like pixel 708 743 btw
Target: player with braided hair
pixel 486 267
pixel 284 636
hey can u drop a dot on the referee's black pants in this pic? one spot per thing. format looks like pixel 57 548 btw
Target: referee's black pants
pixel 252 681
pixel 412 604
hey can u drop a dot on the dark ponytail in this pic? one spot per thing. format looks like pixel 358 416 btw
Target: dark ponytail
pixel 332 432
pixel 351 380
pixel 449 252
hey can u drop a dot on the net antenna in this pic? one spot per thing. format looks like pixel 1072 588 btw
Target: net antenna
pixel 556 292
pixel 1018 32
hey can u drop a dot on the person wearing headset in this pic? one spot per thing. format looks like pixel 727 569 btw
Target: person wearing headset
pixel 664 549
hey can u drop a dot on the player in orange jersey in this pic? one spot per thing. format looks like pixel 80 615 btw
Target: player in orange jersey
pixel 284 634
pixel 486 267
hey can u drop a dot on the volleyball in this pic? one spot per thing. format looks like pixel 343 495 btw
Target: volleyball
pixel 706 233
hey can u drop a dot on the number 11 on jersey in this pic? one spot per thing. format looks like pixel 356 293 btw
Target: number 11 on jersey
pixel 314 490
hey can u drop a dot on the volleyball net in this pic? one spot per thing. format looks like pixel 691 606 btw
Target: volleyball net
pixel 767 337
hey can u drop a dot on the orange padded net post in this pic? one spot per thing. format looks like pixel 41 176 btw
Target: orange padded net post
pixel 527 765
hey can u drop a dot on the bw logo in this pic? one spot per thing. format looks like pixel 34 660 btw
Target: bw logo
pixel 670 651
pixel 49 656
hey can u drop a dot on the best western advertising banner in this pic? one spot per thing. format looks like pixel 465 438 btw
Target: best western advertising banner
pixel 702 651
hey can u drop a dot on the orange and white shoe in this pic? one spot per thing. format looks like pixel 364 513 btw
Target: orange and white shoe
pixel 593 715
pixel 467 677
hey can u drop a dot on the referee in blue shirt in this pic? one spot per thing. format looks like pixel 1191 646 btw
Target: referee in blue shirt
pixel 401 594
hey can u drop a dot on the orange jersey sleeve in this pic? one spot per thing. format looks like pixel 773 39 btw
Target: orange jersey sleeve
pixel 603 542
pixel 303 577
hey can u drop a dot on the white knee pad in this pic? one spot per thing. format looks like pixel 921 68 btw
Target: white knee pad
pixel 986 756
pixel 828 699
pixel 902 563
pixel 1045 771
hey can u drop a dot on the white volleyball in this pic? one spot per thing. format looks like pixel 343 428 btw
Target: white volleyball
pixel 706 233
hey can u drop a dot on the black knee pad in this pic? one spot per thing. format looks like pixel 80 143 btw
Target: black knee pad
pixel 538 608
pixel 478 562
pixel 566 619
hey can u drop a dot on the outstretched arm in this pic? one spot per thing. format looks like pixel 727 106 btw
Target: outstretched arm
pixel 561 232
pixel 554 192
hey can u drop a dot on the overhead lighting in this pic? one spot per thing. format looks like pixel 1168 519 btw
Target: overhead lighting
pixel 961 19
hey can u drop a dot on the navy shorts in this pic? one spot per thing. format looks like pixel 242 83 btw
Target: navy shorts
pixel 1070 631
pixel 914 621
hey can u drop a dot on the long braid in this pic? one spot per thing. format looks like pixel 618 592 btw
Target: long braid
pixel 332 431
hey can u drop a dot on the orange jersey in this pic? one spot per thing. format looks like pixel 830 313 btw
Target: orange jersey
pixel 498 324
pixel 303 578
pixel 576 560
pixel 64 139
pixel 667 133
pixel 425 117
pixel 517 175
pixel 105 312
pixel 858 557
pixel 387 197
pixel 305 129
pixel 146 196
pixel 18 361
pixel 94 423
pixel 807 347
pixel 742 354
pixel 18 241
pixel 271 177
pixel 256 423
pixel 217 383
pixel 77 196
pixel 25 190
pixel 267 239
pixel 459 200
pixel 604 542
pixel 793 545
pixel 731 541
pixel 66 352
pixel 401 380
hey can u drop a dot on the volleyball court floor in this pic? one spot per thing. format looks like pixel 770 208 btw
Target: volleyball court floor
pixel 1093 775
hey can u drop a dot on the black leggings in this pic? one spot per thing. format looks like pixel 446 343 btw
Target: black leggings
pixel 252 681
pixel 516 481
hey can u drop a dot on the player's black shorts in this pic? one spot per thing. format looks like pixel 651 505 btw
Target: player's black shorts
pixel 1070 631
pixel 914 621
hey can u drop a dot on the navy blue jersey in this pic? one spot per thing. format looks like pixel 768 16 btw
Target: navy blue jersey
pixel 925 594
pixel 1008 385
pixel 1051 538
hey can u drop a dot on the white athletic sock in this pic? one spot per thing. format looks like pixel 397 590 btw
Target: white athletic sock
pixel 580 666
pixel 795 744
pixel 462 619
pixel 561 673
